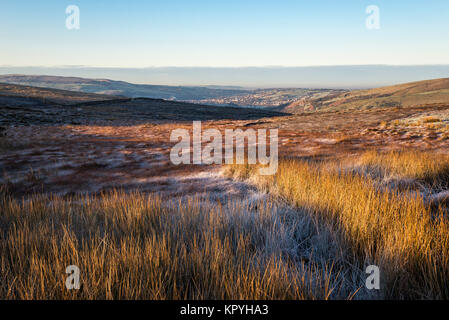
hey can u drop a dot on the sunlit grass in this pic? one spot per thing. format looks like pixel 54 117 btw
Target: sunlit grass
pixel 426 167
pixel 134 246
pixel 310 239
pixel 396 231
pixel 431 119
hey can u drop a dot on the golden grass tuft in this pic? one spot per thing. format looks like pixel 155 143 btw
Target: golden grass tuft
pixel 430 119
pixel 135 246
pixel 429 168
pixel 397 231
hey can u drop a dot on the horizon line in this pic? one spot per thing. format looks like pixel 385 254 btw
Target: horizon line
pixel 226 67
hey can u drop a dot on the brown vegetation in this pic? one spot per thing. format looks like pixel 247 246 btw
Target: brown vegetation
pixel 135 246
pixel 396 230
pixel 307 232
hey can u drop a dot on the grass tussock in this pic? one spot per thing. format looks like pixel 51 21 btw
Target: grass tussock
pixel 395 230
pixel 431 119
pixel 427 168
pixel 135 246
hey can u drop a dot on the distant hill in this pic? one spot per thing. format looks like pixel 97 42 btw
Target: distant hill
pixel 210 95
pixel 26 105
pixel 10 93
pixel 282 99
pixel 120 88
pixel 404 95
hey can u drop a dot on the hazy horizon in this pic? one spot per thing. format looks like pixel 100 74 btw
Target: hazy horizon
pixel 340 76
pixel 287 43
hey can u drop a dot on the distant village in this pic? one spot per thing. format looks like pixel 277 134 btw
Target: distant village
pixel 264 98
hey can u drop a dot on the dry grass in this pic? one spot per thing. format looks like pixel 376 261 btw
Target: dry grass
pixel 430 119
pixel 337 221
pixel 396 122
pixel 445 135
pixel 395 230
pixel 133 246
pixel 427 168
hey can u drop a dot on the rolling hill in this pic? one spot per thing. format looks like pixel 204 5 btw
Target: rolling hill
pixel 12 93
pixel 121 88
pixel 25 105
pixel 210 95
pixel 402 96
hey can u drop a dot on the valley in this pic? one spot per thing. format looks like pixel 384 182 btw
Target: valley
pixel 87 177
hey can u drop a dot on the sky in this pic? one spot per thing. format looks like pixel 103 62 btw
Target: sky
pixel 231 33
pixel 141 41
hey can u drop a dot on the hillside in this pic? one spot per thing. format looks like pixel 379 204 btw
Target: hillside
pixel 210 95
pixel 24 105
pixel 122 88
pixel 411 94
pixel 10 93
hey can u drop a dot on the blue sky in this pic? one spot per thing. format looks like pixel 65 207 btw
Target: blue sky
pixel 134 34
